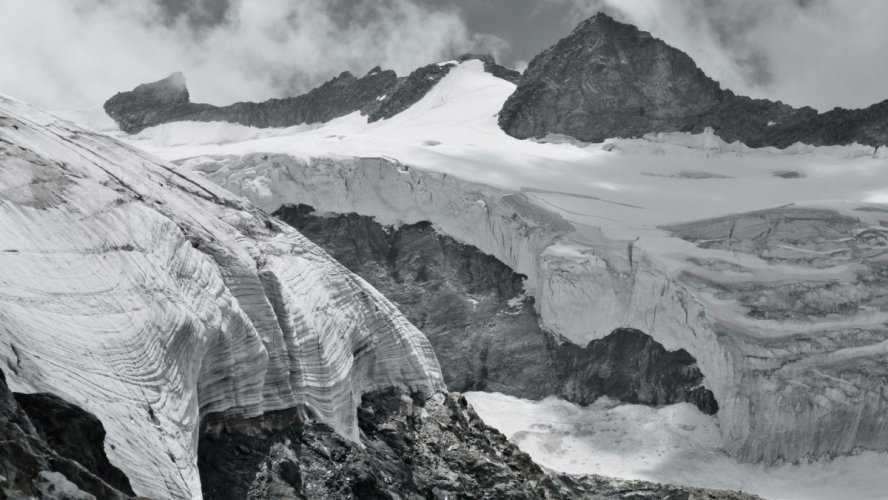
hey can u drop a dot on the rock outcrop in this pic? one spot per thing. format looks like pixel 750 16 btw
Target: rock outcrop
pixel 168 100
pixel 150 298
pixel 73 434
pixel 419 82
pixel 412 448
pixel 483 327
pixel 379 94
pixel 608 79
pixel 37 462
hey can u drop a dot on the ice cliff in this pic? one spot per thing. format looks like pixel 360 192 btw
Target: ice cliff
pixel 781 308
pixel 152 298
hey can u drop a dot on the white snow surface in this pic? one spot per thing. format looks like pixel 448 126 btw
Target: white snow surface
pixel 675 444
pixel 151 297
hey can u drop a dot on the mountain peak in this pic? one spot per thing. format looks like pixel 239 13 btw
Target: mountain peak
pixel 135 109
pixel 602 24
pixel 610 79
pixel 170 89
pixel 175 80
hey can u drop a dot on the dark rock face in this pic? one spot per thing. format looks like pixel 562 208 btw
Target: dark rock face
pixel 167 100
pixel 484 332
pixel 490 66
pixel 380 94
pixel 608 79
pixel 412 449
pixel 152 103
pixel 410 91
pixel 630 366
pixel 231 451
pixel 42 460
pixel 415 86
pixel 73 434
pixel 458 296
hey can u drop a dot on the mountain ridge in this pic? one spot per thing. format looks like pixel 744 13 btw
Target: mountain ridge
pixel 605 79
pixel 379 94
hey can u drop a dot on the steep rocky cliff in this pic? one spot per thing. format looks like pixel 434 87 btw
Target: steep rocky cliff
pixel 483 327
pixel 61 457
pixel 609 79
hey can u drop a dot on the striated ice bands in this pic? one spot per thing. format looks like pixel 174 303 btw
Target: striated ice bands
pixel 151 298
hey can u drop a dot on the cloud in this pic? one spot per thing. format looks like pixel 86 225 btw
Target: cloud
pixel 64 54
pixel 822 53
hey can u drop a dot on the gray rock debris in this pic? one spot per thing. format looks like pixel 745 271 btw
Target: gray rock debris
pixel 410 449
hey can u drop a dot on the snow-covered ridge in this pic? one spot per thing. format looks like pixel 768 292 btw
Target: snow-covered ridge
pixel 150 297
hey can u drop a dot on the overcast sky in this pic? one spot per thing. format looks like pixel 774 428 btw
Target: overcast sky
pixel 66 54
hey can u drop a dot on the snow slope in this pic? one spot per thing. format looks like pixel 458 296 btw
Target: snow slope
pixel 151 298
pixel 781 304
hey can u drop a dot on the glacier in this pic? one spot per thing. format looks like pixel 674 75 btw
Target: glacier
pixel 152 298
pixel 766 265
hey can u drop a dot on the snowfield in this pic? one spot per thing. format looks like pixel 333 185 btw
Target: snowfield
pixel 767 265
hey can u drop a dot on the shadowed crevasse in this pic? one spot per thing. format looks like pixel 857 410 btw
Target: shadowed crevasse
pixel 485 331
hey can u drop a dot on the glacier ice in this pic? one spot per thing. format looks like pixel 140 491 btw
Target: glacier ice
pixel 781 307
pixel 787 386
pixel 151 298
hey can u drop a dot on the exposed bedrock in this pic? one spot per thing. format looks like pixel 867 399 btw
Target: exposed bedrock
pixel 788 386
pixel 74 434
pixel 608 79
pixel 52 449
pixel 484 329
pixel 412 448
pixel 168 100
pixel 379 94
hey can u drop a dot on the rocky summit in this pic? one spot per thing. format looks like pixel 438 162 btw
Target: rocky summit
pixel 609 79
